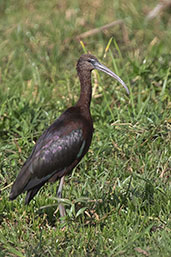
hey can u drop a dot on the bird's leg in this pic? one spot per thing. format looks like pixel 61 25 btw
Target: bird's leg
pixel 59 195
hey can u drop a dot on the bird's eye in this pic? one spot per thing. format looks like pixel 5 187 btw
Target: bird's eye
pixel 92 61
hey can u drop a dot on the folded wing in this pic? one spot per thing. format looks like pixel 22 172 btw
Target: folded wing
pixel 55 154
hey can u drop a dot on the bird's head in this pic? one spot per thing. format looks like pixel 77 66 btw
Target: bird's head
pixel 88 62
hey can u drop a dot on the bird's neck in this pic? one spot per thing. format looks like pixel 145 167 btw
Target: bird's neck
pixel 86 90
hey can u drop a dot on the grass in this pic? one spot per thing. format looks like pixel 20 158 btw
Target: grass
pixel 118 198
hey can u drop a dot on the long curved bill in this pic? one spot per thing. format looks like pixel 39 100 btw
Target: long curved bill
pixel 103 68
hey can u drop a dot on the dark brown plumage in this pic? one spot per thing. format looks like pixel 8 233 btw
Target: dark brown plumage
pixel 65 142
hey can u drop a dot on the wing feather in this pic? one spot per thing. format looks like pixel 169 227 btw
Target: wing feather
pixel 54 155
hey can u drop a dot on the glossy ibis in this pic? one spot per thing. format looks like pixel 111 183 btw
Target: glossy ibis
pixel 65 142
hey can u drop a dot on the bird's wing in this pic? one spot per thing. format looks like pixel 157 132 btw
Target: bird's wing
pixel 56 153
pixel 51 155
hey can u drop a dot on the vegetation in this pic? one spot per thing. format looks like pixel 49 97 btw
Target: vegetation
pixel 118 198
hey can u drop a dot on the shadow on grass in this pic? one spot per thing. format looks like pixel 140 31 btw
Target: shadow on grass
pixel 93 211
